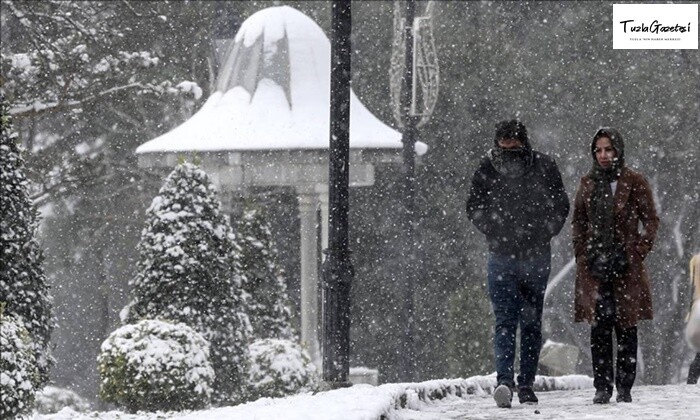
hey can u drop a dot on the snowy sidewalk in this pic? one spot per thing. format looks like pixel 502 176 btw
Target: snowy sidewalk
pixel 677 402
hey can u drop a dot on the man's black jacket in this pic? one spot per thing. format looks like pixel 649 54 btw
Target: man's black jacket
pixel 519 216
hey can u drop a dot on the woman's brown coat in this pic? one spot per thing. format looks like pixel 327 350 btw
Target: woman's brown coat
pixel 633 204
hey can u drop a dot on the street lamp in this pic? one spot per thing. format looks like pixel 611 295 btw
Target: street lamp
pixel 337 272
pixel 408 355
pixel 414 87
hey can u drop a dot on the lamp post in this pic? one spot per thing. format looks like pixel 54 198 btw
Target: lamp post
pixel 337 272
pixel 414 81
pixel 408 356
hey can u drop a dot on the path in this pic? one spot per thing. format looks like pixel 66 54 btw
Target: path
pixel 675 402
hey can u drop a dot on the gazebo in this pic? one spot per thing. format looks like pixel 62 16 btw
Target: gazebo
pixel 267 124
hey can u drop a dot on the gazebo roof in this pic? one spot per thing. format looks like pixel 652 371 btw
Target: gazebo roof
pixel 273 93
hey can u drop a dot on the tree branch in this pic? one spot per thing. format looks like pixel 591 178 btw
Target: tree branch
pixel 34 110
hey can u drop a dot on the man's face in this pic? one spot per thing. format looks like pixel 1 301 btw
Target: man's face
pixel 605 153
pixel 509 143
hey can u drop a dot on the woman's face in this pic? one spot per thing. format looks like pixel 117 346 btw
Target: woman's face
pixel 604 152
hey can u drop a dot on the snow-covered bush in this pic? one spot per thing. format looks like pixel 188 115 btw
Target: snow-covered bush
pixel 53 399
pixel 265 287
pixel 279 368
pixel 19 374
pixel 155 365
pixel 22 280
pixel 189 272
pixel 469 332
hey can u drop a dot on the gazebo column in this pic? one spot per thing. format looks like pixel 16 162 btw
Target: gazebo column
pixel 309 274
pixel 322 196
pixel 322 192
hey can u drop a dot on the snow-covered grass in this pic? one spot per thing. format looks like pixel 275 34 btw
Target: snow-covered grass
pixel 52 399
pixel 359 402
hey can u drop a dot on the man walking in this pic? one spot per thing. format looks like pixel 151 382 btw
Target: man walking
pixel 517 199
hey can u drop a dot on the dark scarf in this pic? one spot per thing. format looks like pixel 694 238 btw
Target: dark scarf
pixel 511 163
pixel 602 208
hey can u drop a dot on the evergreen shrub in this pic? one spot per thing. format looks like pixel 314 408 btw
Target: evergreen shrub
pixel 468 348
pixel 155 365
pixel 19 374
pixel 265 286
pixel 23 286
pixel 279 368
pixel 189 272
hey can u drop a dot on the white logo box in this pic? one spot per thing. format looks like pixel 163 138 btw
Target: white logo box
pixel 655 26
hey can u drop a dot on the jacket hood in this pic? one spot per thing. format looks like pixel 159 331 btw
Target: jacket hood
pixel 512 129
pixel 617 143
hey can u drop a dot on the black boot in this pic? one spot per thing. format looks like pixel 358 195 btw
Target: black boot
pixel 601 397
pixel 624 395
pixel 526 395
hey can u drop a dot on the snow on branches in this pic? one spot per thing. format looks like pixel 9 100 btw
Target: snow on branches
pixel 279 368
pixel 73 57
pixel 19 378
pixel 156 365
pixel 266 290
pixel 189 272
pixel 23 286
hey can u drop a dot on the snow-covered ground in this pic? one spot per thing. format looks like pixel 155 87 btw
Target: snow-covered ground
pixel 676 402
pixel 567 397
pixel 357 402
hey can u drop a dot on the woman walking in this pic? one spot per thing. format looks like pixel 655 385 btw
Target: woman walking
pixel 612 287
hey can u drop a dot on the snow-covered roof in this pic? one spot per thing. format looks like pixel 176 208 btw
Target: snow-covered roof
pixel 273 93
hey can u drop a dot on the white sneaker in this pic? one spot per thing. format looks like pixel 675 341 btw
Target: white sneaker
pixel 503 396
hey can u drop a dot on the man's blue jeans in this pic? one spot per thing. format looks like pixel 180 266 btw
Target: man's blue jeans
pixel 516 289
